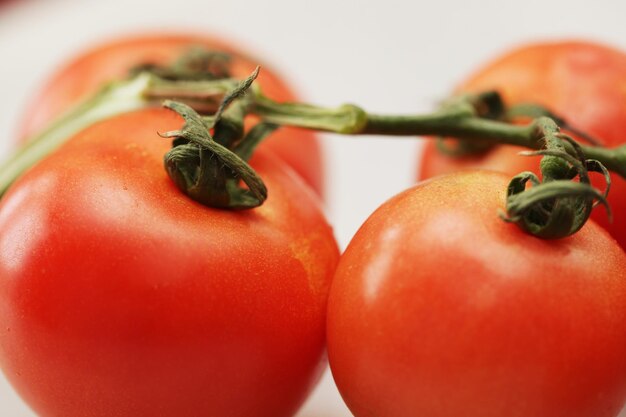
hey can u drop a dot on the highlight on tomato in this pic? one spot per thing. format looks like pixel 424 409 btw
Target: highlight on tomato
pixel 440 309
pixel 121 296
pixel 580 82
pixel 88 72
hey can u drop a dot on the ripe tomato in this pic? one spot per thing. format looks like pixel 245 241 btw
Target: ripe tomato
pixel 87 73
pixel 581 82
pixel 438 308
pixel 120 296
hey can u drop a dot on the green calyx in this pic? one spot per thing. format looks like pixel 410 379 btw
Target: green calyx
pixel 557 207
pixel 207 171
pixel 550 210
pixel 208 168
pixel 197 64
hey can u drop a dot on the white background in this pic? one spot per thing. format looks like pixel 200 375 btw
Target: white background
pixel 387 56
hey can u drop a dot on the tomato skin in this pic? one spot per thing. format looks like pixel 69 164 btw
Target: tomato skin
pixel 438 308
pixel 580 81
pixel 120 296
pixel 86 73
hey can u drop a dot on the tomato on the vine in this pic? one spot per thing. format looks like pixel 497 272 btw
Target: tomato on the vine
pixel 439 308
pixel 120 296
pixel 86 73
pixel 579 81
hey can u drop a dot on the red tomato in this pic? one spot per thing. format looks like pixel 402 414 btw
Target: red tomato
pixel 120 296
pixel 584 83
pixel 87 73
pixel 438 308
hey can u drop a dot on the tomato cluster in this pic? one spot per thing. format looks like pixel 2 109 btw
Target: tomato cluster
pixel 120 296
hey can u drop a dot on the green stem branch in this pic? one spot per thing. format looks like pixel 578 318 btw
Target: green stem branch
pixel 141 91
pixel 455 121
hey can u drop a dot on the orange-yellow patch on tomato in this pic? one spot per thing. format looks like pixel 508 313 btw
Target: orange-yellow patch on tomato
pixel 305 251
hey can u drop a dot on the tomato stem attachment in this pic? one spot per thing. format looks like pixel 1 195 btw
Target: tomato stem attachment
pixel 207 171
pixel 557 207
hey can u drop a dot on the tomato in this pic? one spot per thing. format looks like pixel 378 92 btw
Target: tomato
pixel 88 72
pixel 120 296
pixel 582 82
pixel 438 308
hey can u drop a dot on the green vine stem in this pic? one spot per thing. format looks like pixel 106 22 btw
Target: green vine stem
pixel 141 91
pixel 459 120
pixel 555 208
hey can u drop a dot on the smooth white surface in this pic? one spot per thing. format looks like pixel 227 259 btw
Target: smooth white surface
pixel 393 55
